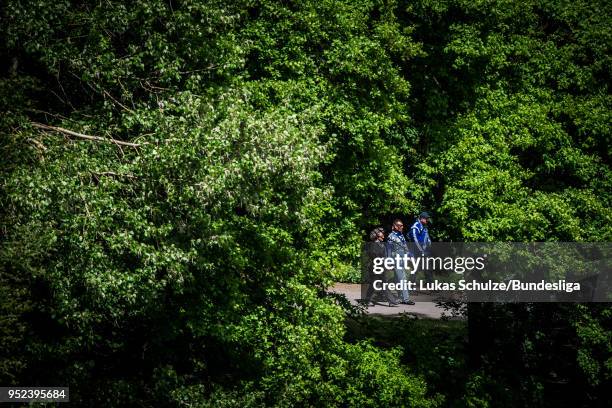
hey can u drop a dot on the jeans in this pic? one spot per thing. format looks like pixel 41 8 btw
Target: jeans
pixel 400 275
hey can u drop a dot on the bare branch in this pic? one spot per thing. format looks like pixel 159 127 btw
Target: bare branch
pixel 118 103
pixel 37 144
pixel 86 137
pixel 113 174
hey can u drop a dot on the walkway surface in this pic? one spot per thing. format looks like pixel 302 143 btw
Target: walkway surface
pixel 424 307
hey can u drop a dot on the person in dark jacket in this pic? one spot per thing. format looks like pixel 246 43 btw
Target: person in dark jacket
pixel 376 248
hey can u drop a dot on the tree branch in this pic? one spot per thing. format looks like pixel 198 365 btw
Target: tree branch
pixel 113 174
pixel 86 137
pixel 118 103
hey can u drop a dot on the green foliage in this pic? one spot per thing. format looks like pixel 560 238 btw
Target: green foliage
pixel 516 94
pixel 516 162
pixel 434 349
pixel 191 269
pixel 595 345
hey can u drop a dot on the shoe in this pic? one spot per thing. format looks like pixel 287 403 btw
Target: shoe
pixel 407 302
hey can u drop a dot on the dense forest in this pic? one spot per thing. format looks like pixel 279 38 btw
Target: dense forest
pixel 182 180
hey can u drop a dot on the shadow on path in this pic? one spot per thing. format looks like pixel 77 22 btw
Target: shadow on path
pixel 425 304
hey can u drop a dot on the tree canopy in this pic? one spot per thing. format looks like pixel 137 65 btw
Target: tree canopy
pixel 182 180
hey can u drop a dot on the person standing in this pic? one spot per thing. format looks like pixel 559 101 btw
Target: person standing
pixel 420 240
pixel 376 248
pixel 397 245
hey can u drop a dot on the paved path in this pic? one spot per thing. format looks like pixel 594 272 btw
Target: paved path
pixel 424 307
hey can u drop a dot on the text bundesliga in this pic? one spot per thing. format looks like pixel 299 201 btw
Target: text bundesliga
pixel 511 285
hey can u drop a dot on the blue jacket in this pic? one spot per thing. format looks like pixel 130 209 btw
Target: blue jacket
pixel 419 238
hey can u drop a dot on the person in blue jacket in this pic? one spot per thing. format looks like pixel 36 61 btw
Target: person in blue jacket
pixel 418 236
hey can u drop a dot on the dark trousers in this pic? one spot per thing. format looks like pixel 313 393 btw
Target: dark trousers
pixel 386 294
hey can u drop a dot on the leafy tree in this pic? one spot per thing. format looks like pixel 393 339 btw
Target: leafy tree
pixel 172 176
pixel 183 179
pixel 509 90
